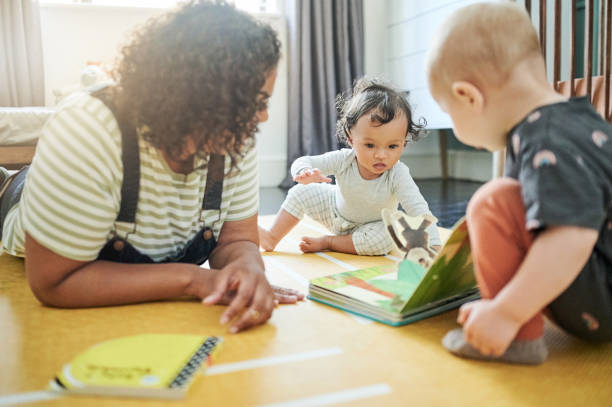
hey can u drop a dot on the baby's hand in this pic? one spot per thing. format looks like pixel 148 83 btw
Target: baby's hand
pixel 310 175
pixel 486 328
pixel 286 295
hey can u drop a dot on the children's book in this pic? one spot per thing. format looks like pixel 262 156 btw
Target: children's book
pixel 150 365
pixel 423 284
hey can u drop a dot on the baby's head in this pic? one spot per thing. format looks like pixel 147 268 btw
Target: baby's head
pixel 471 63
pixel 378 104
pixel 376 120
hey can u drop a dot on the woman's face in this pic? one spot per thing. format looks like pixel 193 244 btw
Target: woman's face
pixel 190 147
pixel 266 93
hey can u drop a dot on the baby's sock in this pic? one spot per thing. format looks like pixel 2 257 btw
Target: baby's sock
pixel 528 352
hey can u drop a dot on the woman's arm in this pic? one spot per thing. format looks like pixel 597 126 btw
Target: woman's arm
pixel 237 254
pixel 62 282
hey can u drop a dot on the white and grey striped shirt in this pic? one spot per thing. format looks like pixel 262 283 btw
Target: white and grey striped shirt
pixel 73 191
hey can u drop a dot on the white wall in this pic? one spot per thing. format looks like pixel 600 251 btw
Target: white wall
pixel 75 34
pixel 410 27
pixel 550 34
pixel 375 24
pixel 272 136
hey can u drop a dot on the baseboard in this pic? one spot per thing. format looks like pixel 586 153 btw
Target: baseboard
pixel 472 165
pixel 466 165
pixel 423 165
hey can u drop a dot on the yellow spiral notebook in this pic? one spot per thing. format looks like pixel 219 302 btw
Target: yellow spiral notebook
pixel 150 365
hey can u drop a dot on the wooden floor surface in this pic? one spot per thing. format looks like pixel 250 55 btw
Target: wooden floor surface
pixel 306 355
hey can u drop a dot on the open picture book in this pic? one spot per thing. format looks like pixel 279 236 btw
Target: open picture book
pixel 150 365
pixel 423 284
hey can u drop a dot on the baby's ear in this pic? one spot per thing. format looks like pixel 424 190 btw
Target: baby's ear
pixel 468 95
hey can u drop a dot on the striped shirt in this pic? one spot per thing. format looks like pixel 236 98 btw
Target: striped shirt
pixel 72 193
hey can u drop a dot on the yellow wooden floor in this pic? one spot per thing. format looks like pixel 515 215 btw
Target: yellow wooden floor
pixel 306 355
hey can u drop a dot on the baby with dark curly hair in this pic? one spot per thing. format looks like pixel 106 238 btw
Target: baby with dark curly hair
pixel 376 122
pixel 133 186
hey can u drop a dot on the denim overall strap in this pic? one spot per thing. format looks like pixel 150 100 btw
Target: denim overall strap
pixel 131 170
pixel 204 242
pixel 130 157
pixel 214 182
pixel 118 249
pixel 201 245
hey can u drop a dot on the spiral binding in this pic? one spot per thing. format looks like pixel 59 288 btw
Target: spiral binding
pixel 195 362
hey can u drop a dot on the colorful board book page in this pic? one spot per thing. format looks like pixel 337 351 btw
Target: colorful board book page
pixel 150 365
pixel 404 293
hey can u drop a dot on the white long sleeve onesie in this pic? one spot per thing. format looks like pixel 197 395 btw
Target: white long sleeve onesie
pixel 355 201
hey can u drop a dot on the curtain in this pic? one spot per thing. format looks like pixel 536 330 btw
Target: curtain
pixel 21 58
pixel 326 48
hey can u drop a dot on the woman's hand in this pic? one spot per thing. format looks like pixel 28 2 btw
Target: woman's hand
pixel 250 297
pixel 237 278
pixel 486 328
pixel 310 175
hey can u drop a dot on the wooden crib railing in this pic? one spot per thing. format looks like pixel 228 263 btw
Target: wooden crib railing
pixel 597 86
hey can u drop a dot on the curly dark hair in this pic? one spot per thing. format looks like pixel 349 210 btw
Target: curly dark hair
pixel 197 71
pixel 378 99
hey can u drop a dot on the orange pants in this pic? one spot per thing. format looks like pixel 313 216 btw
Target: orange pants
pixel 500 241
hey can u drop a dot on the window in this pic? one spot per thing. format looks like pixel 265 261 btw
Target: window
pixel 252 6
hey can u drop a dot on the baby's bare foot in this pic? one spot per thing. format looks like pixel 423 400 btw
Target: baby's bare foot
pixel 313 244
pixel 266 240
